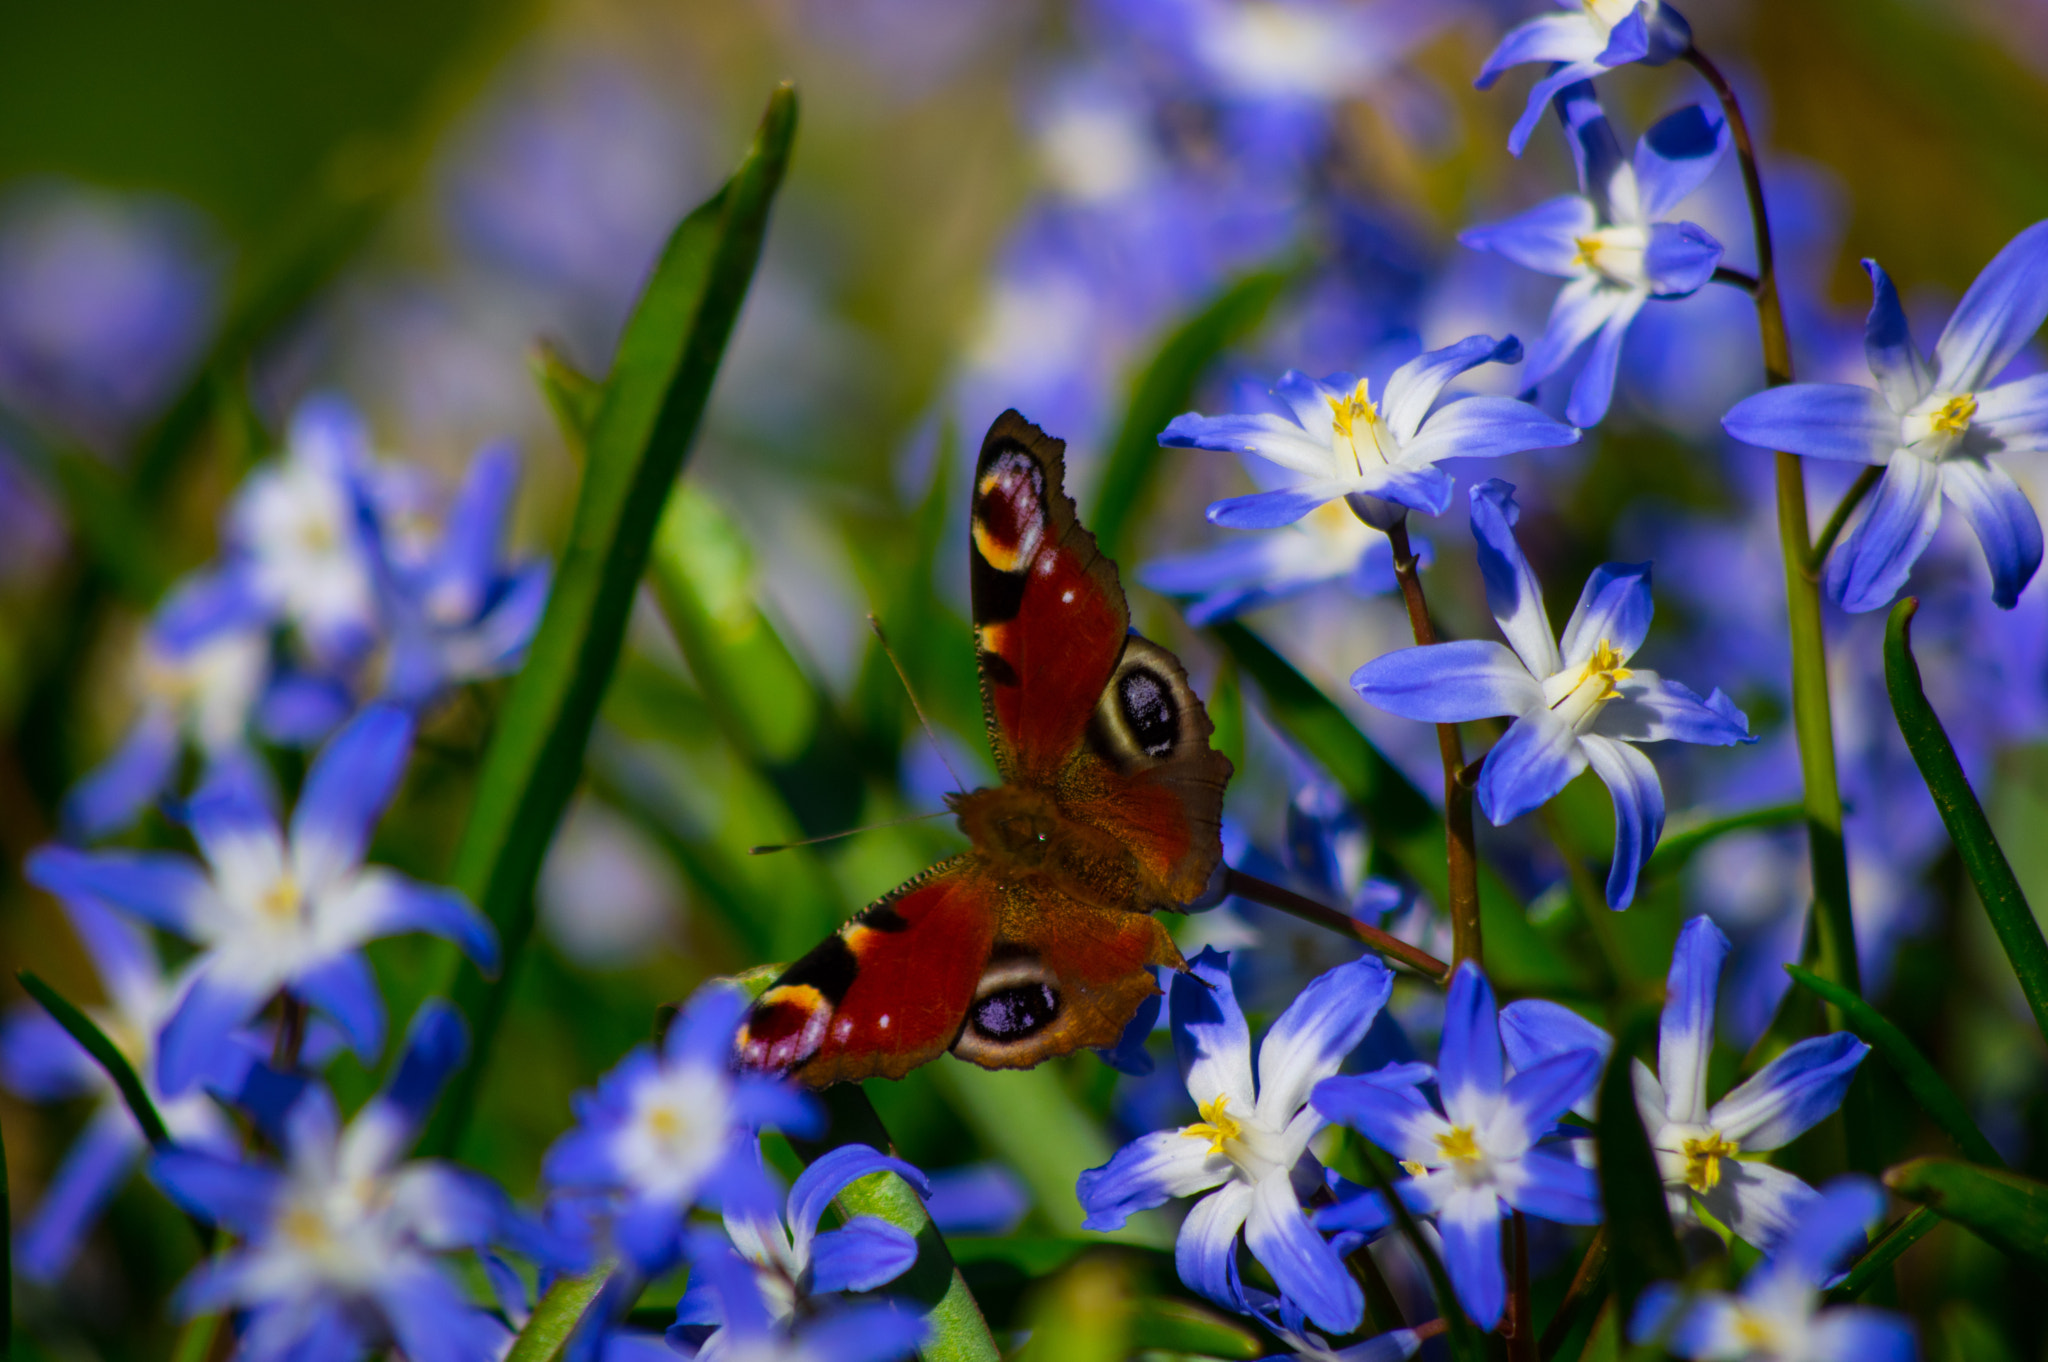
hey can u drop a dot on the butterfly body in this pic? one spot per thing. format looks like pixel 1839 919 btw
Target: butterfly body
pixel 1041 938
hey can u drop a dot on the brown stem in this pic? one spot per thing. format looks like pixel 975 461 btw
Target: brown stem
pixel 1582 1292
pixel 1460 861
pixel 291 1033
pixel 1519 1326
pixel 1832 531
pixel 1735 279
pixel 1251 887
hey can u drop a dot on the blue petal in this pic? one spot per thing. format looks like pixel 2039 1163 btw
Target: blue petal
pixel 1233 562
pixel 1544 239
pixel 40 1061
pixel 161 888
pixel 1680 258
pixel 1129 1055
pixel 1652 708
pixel 120 948
pixel 880 1332
pixel 1418 486
pixel 1250 433
pixel 1817 420
pixel 1675 157
pixel 1271 510
pixel 1593 389
pixel 1449 682
pixel 93 1170
pixel 1832 1229
pixel 114 793
pixel 1896 362
pixel 1792 1093
pixel 703 1032
pixel 1486 427
pixel 344 989
pixel 1359 1210
pixel 238 1196
pixel 1536 1029
pixel 861 1256
pixel 1558 1188
pixel 406 905
pixel 1149 1171
pixel 1385 1107
pixel 1470 1063
pixel 1541 92
pixel 1547 38
pixel 434 1321
pixel 450 1208
pixel 434 1045
pixel 234 804
pixel 1864 1335
pixel 1323 1025
pixel 1638 811
pixel 1414 387
pixel 1538 756
pixel 1614 608
pixel 1685 1033
pixel 1999 314
pixel 768 1103
pixel 2004 521
pixel 1470 1226
pixel 1304 1267
pixel 1583 307
pixel 2011 418
pixel 300 708
pixel 648 1231
pixel 1210 1037
pixel 1545 1091
pixel 1513 594
pixel 211 1010
pixel 351 784
pixel 465 559
pixel 829 1175
pixel 977 1198
pixel 1205 1252
pixel 1898 520
pixel 1656 1312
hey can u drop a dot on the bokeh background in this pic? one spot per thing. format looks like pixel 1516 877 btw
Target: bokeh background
pixel 212 210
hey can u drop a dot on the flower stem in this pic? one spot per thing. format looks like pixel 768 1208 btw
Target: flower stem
pixel 1520 1324
pixel 1832 531
pixel 1735 279
pixel 1460 861
pixel 291 1033
pixel 1251 887
pixel 1584 1291
pixel 1811 715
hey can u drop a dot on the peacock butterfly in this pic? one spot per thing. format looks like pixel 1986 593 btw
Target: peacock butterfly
pixel 1040 939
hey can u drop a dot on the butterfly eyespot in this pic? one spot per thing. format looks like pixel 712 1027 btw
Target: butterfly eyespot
pixel 1013 1013
pixel 1149 710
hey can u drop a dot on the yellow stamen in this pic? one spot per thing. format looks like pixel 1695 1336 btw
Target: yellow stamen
pixel 1587 251
pixel 1459 1145
pixel 1703 1161
pixel 1953 416
pixel 1345 415
pixel 302 1227
pixel 283 898
pixel 1217 1126
pixel 1604 670
pixel 665 1123
pixel 1758 1335
pixel 1412 1168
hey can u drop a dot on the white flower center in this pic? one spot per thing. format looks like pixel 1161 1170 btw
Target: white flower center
pixel 1613 253
pixel 1937 423
pixel 1578 696
pixel 1608 13
pixel 339 1232
pixel 1247 1143
pixel 677 1131
pixel 1265 48
pixel 1358 432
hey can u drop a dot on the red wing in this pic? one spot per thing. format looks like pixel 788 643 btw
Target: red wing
pixel 1049 613
pixel 886 992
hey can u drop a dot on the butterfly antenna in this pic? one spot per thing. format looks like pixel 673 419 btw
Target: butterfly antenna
pixel 904 677
pixel 835 836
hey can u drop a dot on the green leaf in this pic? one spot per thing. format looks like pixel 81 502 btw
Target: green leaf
pixel 1642 1248
pixel 1171 1326
pixel 958 1331
pixel 1912 1067
pixel 109 1057
pixel 555 1317
pixel 1163 392
pixel 1674 849
pixel 1083 1314
pixel 195 1339
pixel 1997 888
pixel 2004 1209
pixel 1878 1258
pixel 1406 827
pixel 573 397
pixel 642 433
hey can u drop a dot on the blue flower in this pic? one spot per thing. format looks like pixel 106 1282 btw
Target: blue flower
pixel 1610 242
pixel 1346 445
pixel 1252 1141
pixel 1775 1317
pixel 1593 37
pixel 1482 1155
pixel 40 1061
pixel 875 1331
pixel 454 612
pixel 670 1127
pixel 1697 1145
pixel 1328 546
pixel 1932 427
pixel 338 1247
pixel 1575 704
pixel 274 909
pixel 795 1264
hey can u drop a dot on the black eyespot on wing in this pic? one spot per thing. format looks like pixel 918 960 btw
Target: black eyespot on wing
pixel 884 918
pixel 1149 709
pixel 1014 1013
pixel 829 968
pixel 998 669
pixel 997 595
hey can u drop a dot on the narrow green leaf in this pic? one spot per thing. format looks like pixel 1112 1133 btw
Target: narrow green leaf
pixel 1676 848
pixel 557 1314
pixel 1171 1326
pixel 195 1339
pixel 1083 1314
pixel 642 433
pixel 1920 1077
pixel 115 533
pixel 2004 1209
pixel 1406 827
pixel 1878 1258
pixel 573 397
pixel 1032 1255
pixel 1997 888
pixel 958 1331
pixel 1642 1246
pixel 1464 1340
pixel 1163 392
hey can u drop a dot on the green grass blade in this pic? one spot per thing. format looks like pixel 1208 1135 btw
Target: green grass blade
pixel 1405 825
pixel 1878 1258
pixel 653 401
pixel 1642 1245
pixel 1676 848
pixel 1163 392
pixel 2003 1209
pixel 1182 1327
pixel 1997 888
pixel 573 397
pixel 958 1331
pixel 1912 1067
pixel 557 1314
pixel 1461 1335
